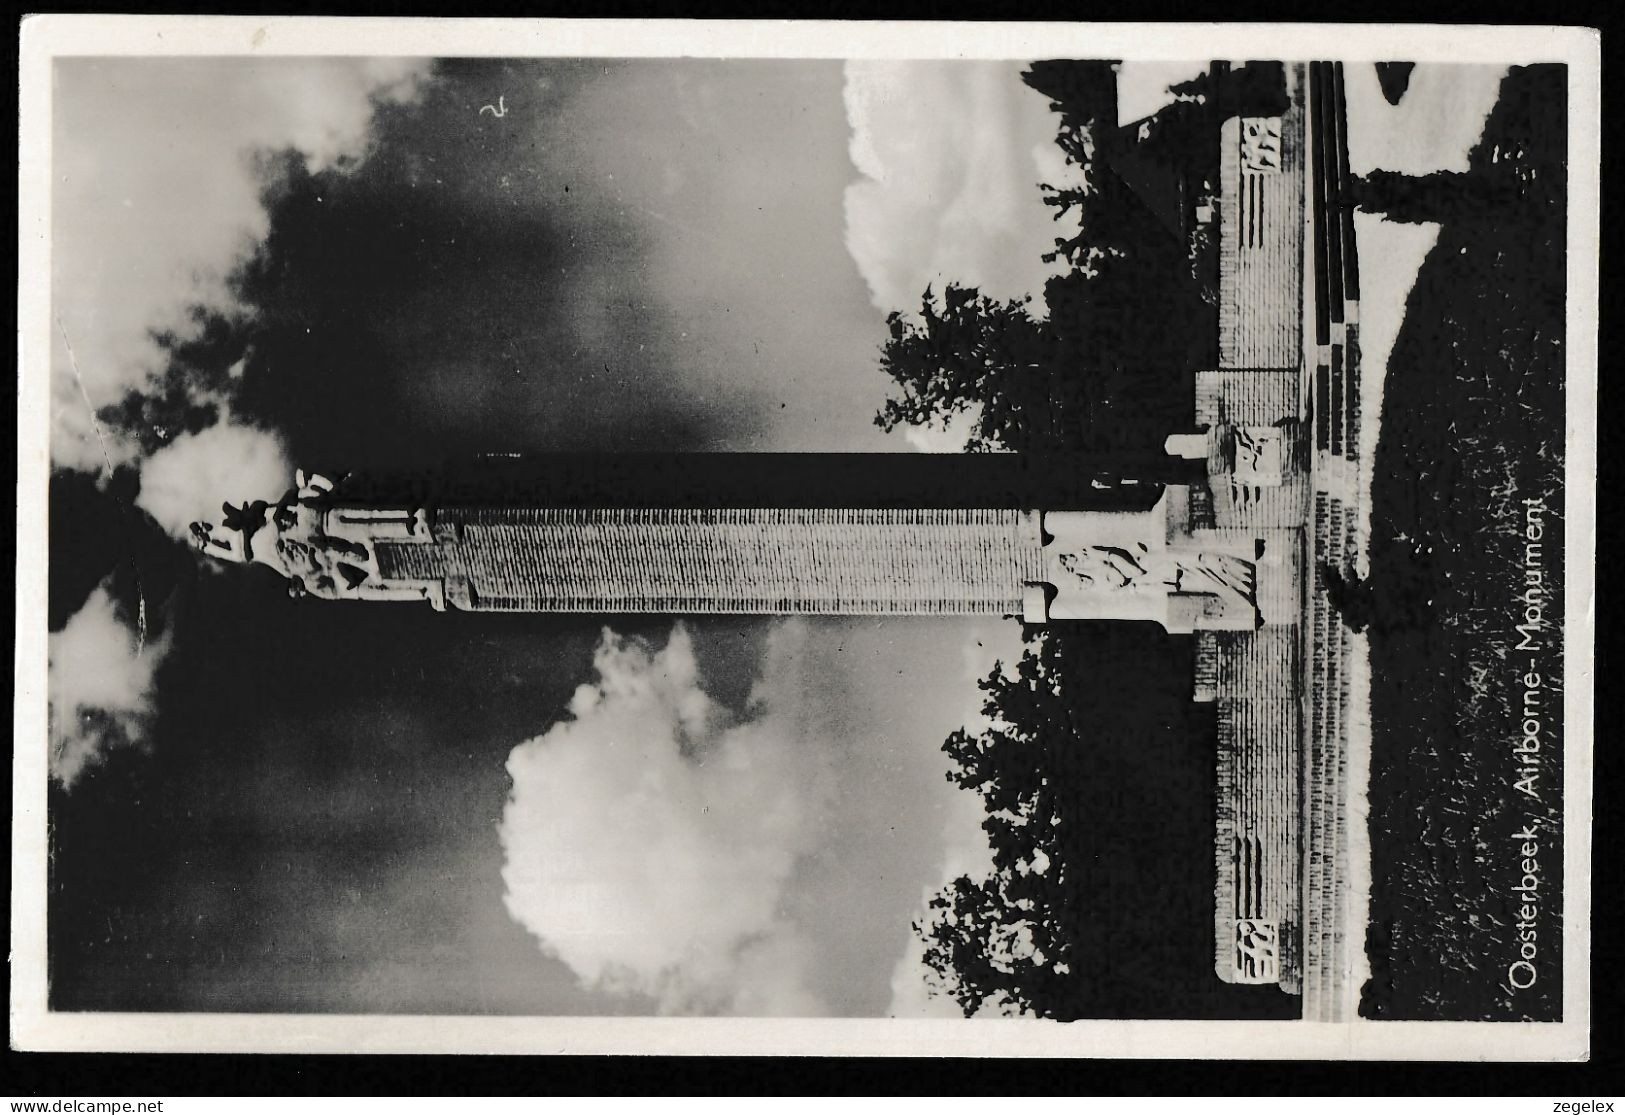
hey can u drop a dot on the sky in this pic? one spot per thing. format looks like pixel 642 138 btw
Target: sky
pixel 262 805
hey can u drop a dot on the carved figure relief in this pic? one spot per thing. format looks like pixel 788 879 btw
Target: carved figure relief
pixel 1261 144
pixel 1136 568
pixel 1223 575
pixel 1112 567
pixel 290 537
pixel 1258 955
pixel 325 567
pixel 1260 455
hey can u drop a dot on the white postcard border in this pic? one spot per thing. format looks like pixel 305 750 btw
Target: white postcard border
pixel 34 1027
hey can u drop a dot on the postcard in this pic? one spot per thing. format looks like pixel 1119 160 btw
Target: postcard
pixel 660 537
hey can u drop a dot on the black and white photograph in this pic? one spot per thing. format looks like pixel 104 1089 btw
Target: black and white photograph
pixel 535 534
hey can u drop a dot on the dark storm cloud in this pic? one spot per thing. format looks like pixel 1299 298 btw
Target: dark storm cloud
pixel 592 269
pixel 430 293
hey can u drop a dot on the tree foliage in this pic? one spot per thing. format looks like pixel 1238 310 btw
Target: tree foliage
pixel 1444 196
pixel 999 940
pixel 1098 812
pixel 1105 361
pixel 970 354
pixel 1107 367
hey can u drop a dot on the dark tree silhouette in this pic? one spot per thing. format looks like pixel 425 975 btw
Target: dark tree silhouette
pixel 1442 196
pixel 966 353
pixel 998 762
pixel 1108 367
pixel 1077 144
pixel 1064 199
pixel 993 941
pixel 1070 248
pixel 1084 93
pixel 1005 940
pixel 1079 914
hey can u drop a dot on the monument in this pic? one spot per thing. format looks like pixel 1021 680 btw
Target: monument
pixel 1229 556
pixel 1038 565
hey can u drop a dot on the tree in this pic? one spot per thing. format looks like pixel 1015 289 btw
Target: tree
pixel 1003 939
pixel 1109 368
pixel 1394 78
pixel 1442 196
pixel 1063 199
pixel 1002 761
pixel 1098 901
pixel 1084 93
pixel 970 355
pixel 989 948
pixel 1107 364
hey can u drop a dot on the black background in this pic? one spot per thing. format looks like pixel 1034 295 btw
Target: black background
pixel 48 1075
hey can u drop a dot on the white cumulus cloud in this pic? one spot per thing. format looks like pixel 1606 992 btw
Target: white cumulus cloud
pixel 949 155
pixel 649 843
pixel 189 478
pixel 100 686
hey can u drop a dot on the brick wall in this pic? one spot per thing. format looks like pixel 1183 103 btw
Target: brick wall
pixel 1261 250
pixel 1257 871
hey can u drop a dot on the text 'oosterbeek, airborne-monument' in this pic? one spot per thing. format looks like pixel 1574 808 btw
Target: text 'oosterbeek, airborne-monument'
pixel 1253 504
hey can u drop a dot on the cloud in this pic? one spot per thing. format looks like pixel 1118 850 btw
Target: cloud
pixel 950 155
pixel 650 842
pixel 189 478
pixel 100 681
pixel 156 197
